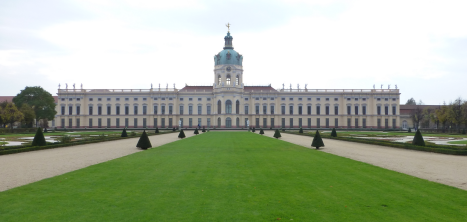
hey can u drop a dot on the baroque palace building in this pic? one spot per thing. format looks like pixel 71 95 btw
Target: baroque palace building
pixel 228 103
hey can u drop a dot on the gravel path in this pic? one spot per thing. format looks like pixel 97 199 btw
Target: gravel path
pixel 441 168
pixel 24 168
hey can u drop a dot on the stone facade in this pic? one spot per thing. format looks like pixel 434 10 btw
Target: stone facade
pixel 228 103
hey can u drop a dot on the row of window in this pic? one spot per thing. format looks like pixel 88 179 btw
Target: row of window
pixel 357 123
pixel 227 82
pixel 228 110
pixel 209 99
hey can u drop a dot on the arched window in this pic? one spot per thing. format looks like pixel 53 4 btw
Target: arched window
pixel 228 122
pixel 404 124
pixel 219 122
pixel 219 80
pixel 237 124
pixel 237 107
pixel 228 107
pixel 219 106
pixel 237 80
pixel 228 80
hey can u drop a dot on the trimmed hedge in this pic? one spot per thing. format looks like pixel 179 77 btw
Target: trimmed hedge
pixel 444 149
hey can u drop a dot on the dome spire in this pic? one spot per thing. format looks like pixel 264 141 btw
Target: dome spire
pixel 228 39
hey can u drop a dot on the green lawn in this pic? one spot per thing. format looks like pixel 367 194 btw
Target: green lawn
pixel 458 142
pixel 233 176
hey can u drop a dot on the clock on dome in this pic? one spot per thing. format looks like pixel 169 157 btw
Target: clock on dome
pixel 229 69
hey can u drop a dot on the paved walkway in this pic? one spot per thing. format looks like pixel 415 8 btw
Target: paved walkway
pixel 24 168
pixel 446 169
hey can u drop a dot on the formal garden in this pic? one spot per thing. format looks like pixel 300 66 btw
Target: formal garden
pixel 233 176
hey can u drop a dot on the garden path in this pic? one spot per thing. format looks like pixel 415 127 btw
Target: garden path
pixel 24 168
pixel 440 168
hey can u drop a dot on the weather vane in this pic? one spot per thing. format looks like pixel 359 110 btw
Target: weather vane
pixel 228 26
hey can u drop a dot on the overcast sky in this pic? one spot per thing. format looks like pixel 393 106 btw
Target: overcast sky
pixel 121 44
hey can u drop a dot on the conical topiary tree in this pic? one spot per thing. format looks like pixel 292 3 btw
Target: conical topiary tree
pixel 253 130
pixel 317 141
pixel 143 141
pixel 39 139
pixel 173 130
pixel 45 130
pixel 261 131
pixel 196 131
pixel 277 134
pixel 204 130
pixel 283 130
pixel 301 130
pixel 181 135
pixel 124 134
pixel 410 130
pixel 418 139
pixel 157 130
pixel 334 133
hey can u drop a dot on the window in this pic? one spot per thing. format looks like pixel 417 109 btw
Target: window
pixel 99 110
pixel 144 99
pixel 257 123
pixel 264 98
pixel 300 122
pixel 219 80
pixel 336 110
pixel 386 123
pixel 393 123
pixel 144 122
pixel 90 110
pixel 90 99
pixel 181 122
pixel 246 99
pixel 145 110
pixel 127 99
pixel 181 99
pixel 78 123
pixel 219 122
pixel 272 123
pixel 336 99
pixel 318 123
pixel 208 110
pixel 162 122
pixel 181 110
pixel 99 99
pixel 309 99
pixel 108 122
pixel 155 122
pixel 90 123
pixel 364 123
pixel 309 122
pixel 300 109
pixel 117 123
pixel 394 110
pixel 309 110
pixel 291 110
pixel 348 123
pixel 170 99
pixel 348 99
pixel 135 99
pixel 257 98
pixel 135 110
pixel 155 110
pixel 327 110
pixel 162 110
pixel 199 110
pixel 257 110
pixel 265 123
pixel 237 122
pixel 135 122
pixel 356 122
pixel 378 110
pixel 336 122
pixel 378 123
pixel 70 110
pixel 378 99
pixel 291 122
pixel 363 99
pixel 127 110
pixel 283 123
pixel 318 110
pixel 393 99
pixel 283 110
pixel 386 99
pixel 190 110
pixel 327 99
pixel 78 99
pixel 108 99
pixel 228 80
pixel 170 122
pixel 70 99
pixel 272 98
pixel 237 107
pixel 283 99
pixel 209 122
pixel 70 123
pixel 272 110
pixel 117 110
pixel 386 110
pixel 356 110
pixel 199 122
pixel 117 99
pixel 318 99
pixel 265 108
pixel 291 99
pixel 299 99
pixel 199 99
pixel 237 81
pixel 127 122
pixel 246 109
pixel 228 107
pixel 63 99
pixel 327 122
pixel 364 110
pixel 219 107
pixel 78 110
pixel 208 99
pixel 170 110
pixel 190 99
pixel 99 123
pixel 109 110
pixel 356 99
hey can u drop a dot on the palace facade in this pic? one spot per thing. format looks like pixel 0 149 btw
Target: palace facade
pixel 228 103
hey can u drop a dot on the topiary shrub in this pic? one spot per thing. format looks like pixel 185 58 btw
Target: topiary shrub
pixel 133 134
pixel 301 130
pixel 181 135
pixel 173 130
pixel 283 130
pixel 157 130
pixel 317 141
pixel 253 130
pixel 418 139
pixel 124 134
pixel 410 130
pixel 45 130
pixel 204 130
pixel 143 141
pixel 277 134
pixel 261 132
pixel 334 133
pixel 196 131
pixel 39 139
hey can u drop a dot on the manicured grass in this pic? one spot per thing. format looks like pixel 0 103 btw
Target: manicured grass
pixel 458 142
pixel 233 176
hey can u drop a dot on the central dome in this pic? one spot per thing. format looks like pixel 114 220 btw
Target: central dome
pixel 228 55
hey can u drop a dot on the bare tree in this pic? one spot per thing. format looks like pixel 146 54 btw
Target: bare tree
pixel 411 101
pixel 417 116
pixel 456 112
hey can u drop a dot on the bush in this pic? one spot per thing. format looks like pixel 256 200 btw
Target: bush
pixel 157 130
pixel 418 139
pixel 261 131
pixel 124 134
pixel 133 134
pixel 196 131
pixel 64 139
pixel 39 139
pixel 317 141
pixel 277 134
pixel 143 141
pixel 301 130
pixel 181 135
pixel 334 133
pixel 283 130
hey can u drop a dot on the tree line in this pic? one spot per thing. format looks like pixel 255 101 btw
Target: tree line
pixel 446 116
pixel 32 106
